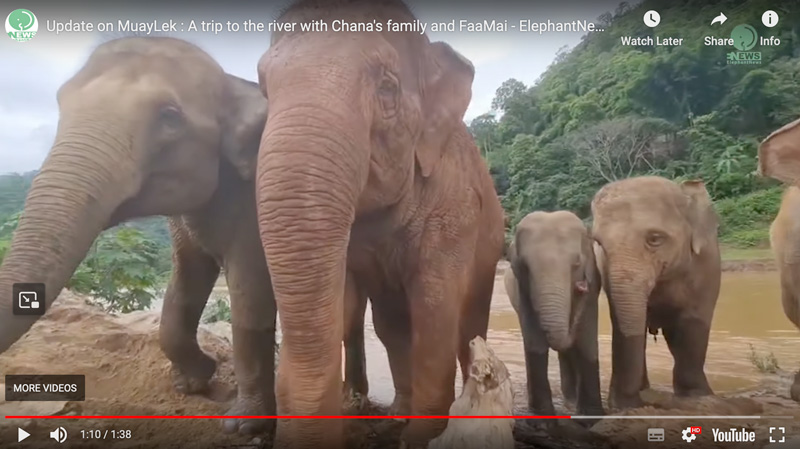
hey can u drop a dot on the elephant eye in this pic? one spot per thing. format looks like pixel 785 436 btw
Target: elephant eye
pixel 170 116
pixel 388 90
pixel 655 239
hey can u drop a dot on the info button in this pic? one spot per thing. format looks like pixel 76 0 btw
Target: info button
pixel 45 387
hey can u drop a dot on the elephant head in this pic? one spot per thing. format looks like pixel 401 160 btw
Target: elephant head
pixel 145 128
pixel 649 231
pixel 355 120
pixel 553 260
pixel 779 154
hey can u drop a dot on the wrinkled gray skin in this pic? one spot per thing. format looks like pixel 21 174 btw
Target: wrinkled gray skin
pixel 154 126
pixel 553 285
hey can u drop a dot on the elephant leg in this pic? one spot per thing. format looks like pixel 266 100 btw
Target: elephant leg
pixel 645 378
pixel 356 385
pixel 253 313
pixel 475 318
pixel 687 339
pixel 534 342
pixel 392 321
pixel 193 276
pixel 794 391
pixel 435 298
pixel 627 363
pixel 587 369
pixel 569 376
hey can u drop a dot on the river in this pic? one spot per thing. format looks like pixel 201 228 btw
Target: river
pixel 748 313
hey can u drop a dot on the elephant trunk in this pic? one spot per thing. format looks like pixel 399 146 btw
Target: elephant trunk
pixel 308 185
pixel 553 298
pixel 629 291
pixel 69 204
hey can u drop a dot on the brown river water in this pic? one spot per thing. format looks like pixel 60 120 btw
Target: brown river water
pixel 748 313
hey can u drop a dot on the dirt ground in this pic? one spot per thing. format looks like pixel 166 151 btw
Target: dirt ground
pixel 127 374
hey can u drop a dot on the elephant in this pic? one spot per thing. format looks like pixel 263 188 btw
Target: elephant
pixel 554 285
pixel 778 155
pixel 154 126
pixel 365 137
pixel 658 254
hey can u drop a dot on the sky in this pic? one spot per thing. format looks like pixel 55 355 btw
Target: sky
pixel 34 70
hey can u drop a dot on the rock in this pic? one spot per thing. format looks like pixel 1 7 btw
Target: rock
pixel 486 393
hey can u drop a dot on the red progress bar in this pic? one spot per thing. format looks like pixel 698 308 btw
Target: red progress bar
pixel 289 417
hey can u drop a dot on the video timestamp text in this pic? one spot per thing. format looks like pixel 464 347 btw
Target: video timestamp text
pixel 106 434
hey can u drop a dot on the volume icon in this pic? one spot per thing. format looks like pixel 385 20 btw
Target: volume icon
pixel 59 434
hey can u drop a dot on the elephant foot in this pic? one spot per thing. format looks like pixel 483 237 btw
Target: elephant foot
pixel 248 426
pixel 185 383
pixel 542 425
pixel 702 389
pixel 623 402
pixel 419 432
pixel 590 410
pixel 355 402
pixel 401 406
pixel 794 391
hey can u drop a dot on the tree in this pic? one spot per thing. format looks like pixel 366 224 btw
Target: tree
pixel 618 149
pixel 120 271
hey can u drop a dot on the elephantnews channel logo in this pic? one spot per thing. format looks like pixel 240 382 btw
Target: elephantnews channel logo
pixel 744 38
pixel 21 25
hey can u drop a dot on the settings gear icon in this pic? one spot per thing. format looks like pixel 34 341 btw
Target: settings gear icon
pixel 688 436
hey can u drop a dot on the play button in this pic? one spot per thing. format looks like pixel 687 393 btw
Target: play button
pixel 21 434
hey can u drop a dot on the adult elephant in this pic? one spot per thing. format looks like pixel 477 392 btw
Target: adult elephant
pixel 154 126
pixel 778 157
pixel 659 258
pixel 366 164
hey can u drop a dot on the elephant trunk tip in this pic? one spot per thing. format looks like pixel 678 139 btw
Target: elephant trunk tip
pixel 560 341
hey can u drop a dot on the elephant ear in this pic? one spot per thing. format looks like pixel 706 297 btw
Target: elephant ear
pixel 243 118
pixel 591 270
pixel 779 154
pixel 701 215
pixel 446 92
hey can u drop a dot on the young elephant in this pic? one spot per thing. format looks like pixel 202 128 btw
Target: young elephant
pixel 658 253
pixel 553 285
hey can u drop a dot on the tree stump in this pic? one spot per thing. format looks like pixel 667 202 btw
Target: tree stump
pixel 486 393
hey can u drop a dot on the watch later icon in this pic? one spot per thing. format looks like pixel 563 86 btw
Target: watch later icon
pixel 28 299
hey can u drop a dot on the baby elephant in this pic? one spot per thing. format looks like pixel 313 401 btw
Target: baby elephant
pixel 553 285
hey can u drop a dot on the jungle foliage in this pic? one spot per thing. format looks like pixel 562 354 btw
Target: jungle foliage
pixel 603 111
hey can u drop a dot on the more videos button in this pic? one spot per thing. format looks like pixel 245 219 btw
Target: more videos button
pixel 45 387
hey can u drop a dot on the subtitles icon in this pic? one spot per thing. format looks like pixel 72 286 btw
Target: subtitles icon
pixel 60 435
pixel 28 299
pixel 655 434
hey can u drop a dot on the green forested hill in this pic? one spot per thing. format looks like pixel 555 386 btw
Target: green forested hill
pixel 604 111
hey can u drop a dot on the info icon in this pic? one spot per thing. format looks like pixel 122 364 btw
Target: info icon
pixel 28 299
